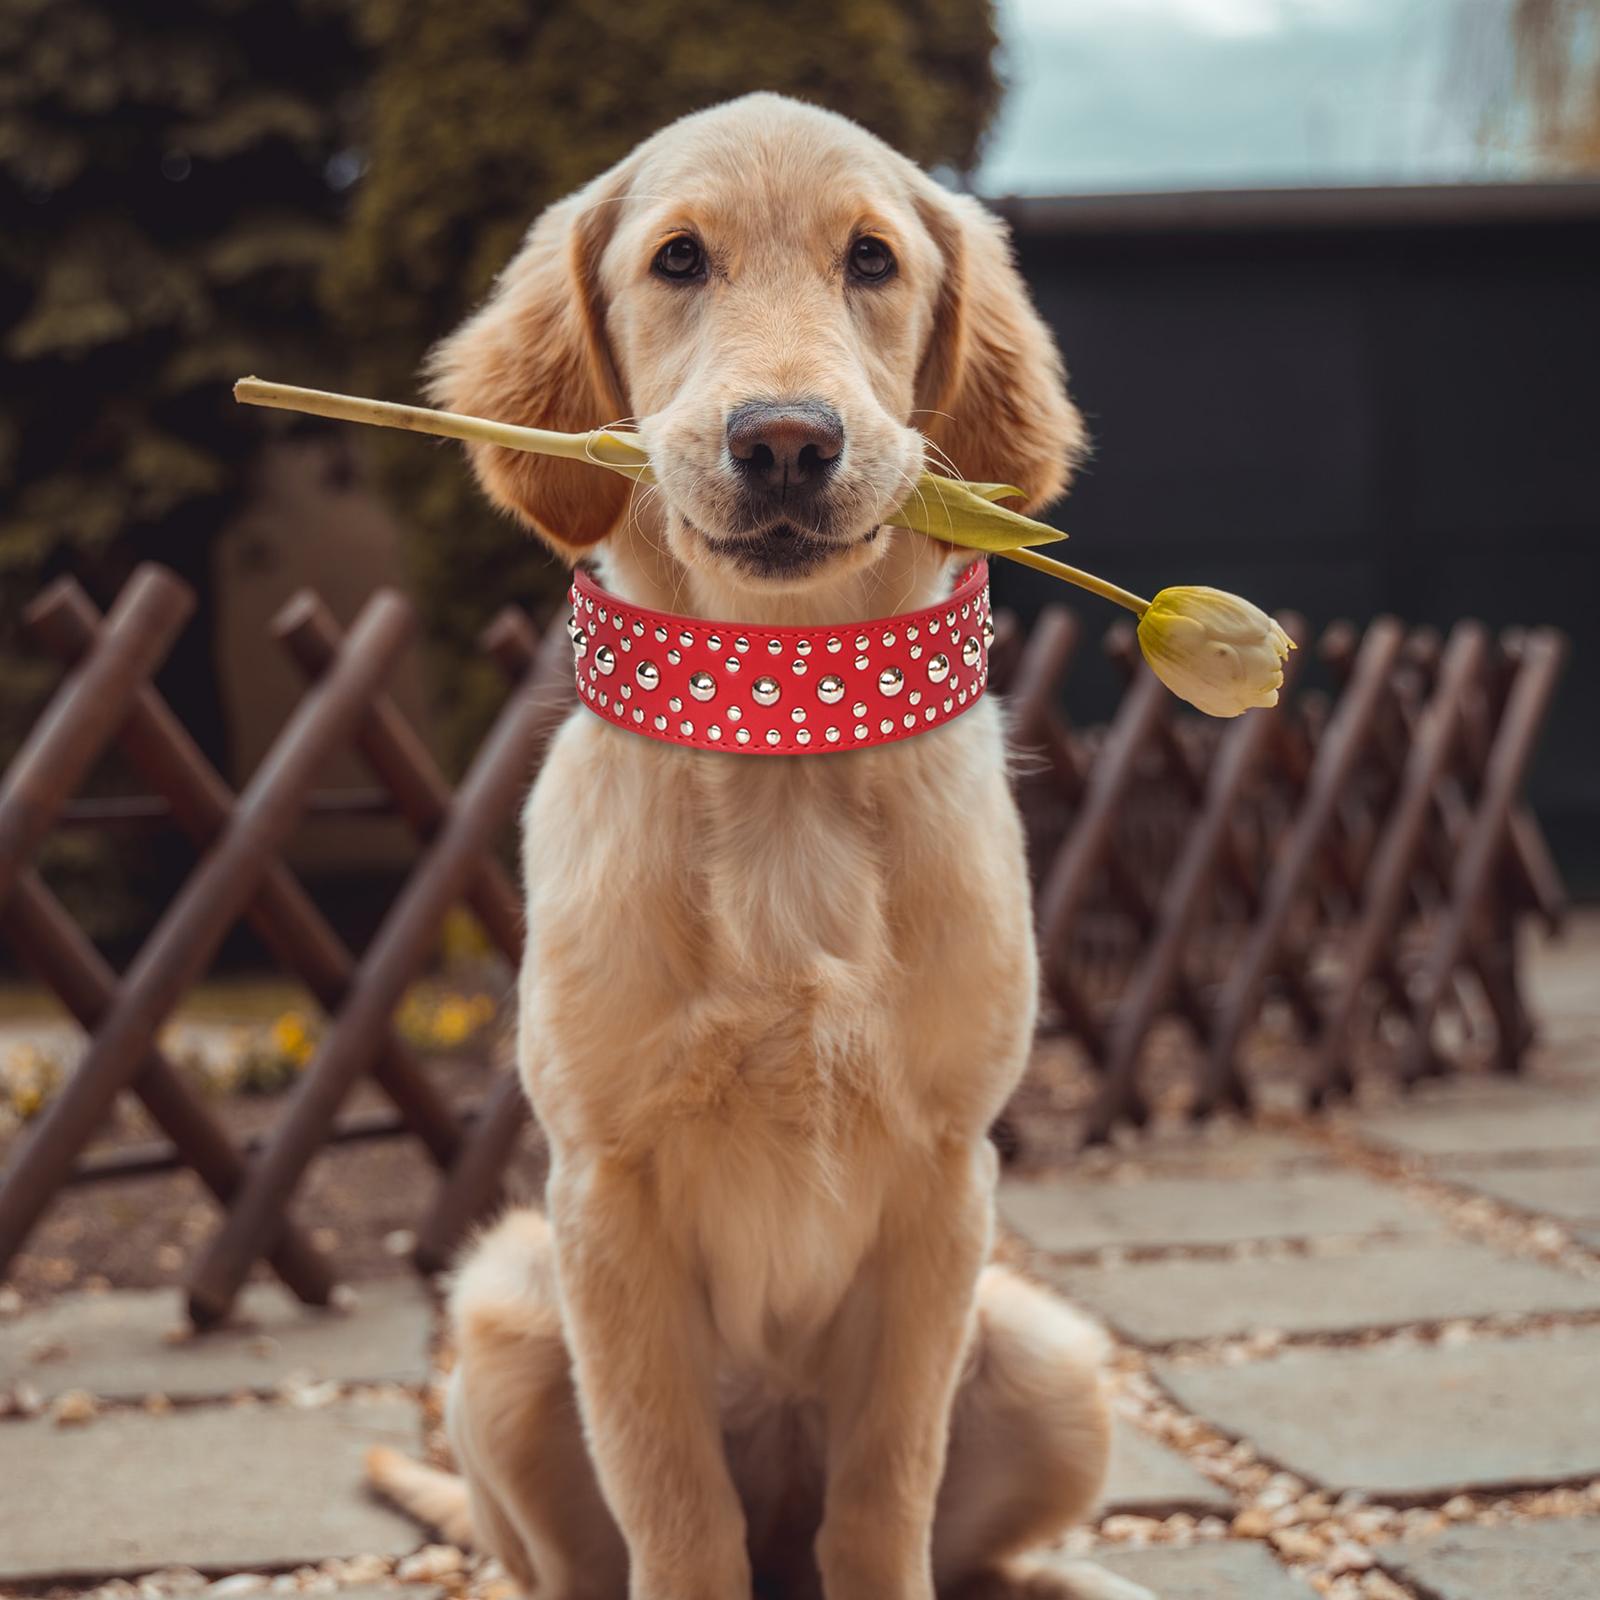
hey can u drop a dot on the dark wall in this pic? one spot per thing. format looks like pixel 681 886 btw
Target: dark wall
pixel 1343 422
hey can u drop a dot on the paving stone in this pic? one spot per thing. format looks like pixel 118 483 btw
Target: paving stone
pixel 221 1489
pixel 1149 1478
pixel 1372 1286
pixel 1543 1120
pixel 1212 1151
pixel 1404 1420
pixel 1552 1560
pixel 1066 1215
pixel 1229 1571
pixel 121 1344
pixel 1571 1193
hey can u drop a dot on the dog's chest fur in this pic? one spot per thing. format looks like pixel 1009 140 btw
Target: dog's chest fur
pixel 770 984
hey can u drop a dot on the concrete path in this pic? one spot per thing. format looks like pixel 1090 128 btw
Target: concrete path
pixel 1356 1358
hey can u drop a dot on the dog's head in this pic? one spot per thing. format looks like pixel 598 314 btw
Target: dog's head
pixel 790 313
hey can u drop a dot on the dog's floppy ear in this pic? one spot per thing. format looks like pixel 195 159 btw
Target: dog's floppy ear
pixel 535 353
pixel 991 388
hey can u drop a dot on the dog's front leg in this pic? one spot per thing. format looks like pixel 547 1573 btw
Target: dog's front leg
pixel 642 1352
pixel 893 1364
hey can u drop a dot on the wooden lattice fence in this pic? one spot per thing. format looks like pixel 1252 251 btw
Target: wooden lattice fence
pixel 1368 840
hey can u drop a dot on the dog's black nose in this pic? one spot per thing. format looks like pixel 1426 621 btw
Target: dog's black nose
pixel 784 446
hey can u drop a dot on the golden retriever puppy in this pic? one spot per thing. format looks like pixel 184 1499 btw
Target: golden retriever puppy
pixel 770 1006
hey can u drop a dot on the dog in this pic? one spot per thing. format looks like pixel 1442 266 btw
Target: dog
pixel 770 1007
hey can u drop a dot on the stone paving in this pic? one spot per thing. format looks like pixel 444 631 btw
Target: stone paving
pixel 1355 1358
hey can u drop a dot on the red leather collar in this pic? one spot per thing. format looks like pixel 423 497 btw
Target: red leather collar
pixel 781 691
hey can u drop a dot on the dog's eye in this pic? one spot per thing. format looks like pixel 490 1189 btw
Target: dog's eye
pixel 679 258
pixel 871 259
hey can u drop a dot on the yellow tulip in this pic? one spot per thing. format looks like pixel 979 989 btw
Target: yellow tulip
pixel 1214 649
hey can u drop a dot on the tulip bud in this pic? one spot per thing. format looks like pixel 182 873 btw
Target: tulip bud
pixel 1214 649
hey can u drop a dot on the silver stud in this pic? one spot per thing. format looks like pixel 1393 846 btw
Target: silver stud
pixel 713 641
pixel 970 651
pixel 648 674
pixel 580 643
pixel 930 713
pixel 798 668
pixel 861 641
pixel 835 646
pixel 914 698
pixel 661 723
pixel 661 635
pixel 674 657
pixel 626 643
pixel 638 715
pixel 911 633
pixel 714 731
pixel 765 691
pixel 798 714
pixel 966 611
pixel 732 663
pixel 686 638
pixel 862 663
pixel 988 632
pixel 742 735
pixel 702 685
pixel 803 647
pixel 605 700
pixel 911 719
pixel 675 704
pixel 686 728
pixel 948 704
pixel 803 737
pixel 625 690
pixel 735 712
pixel 888 636
pixel 741 644
pixel 830 690
pixel 859 709
pixel 861 730
pixel 603 613
pixel 949 619
pixel 774 647
pixel 916 652
pixel 573 630
pixel 891 681
pixel 638 630
pixel 831 735
pixel 773 736
pixel 605 658
pixel 887 725
pixel 938 669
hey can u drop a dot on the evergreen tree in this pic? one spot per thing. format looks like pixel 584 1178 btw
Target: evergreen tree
pixel 169 192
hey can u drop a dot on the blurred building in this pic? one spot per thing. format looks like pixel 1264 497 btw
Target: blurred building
pixel 1343 401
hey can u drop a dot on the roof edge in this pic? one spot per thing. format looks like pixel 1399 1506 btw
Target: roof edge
pixel 1448 205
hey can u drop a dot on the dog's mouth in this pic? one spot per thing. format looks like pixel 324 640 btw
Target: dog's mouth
pixel 782 549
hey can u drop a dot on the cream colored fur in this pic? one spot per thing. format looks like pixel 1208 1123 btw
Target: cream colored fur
pixel 770 1006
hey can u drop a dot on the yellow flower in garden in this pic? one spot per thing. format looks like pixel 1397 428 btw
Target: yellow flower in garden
pixel 1217 651
pixel 291 1038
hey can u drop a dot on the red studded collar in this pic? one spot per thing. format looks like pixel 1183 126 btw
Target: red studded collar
pixel 780 691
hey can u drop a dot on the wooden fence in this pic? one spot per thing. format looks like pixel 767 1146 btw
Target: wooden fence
pixel 1371 839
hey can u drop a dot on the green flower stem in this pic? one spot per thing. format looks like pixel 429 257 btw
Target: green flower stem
pixel 1084 580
